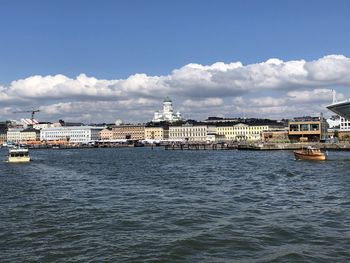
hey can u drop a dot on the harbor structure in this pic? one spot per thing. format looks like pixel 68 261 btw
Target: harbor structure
pixel 71 134
pixel 128 132
pixel 167 114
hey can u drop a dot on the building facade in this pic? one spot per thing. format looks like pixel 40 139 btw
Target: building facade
pixel 14 135
pixel 3 132
pixel 129 132
pixel 344 124
pixel 73 134
pixel 275 136
pixel 242 132
pixel 30 135
pixel 188 132
pixel 167 114
pixel 106 134
pixel 157 133
pixel 307 129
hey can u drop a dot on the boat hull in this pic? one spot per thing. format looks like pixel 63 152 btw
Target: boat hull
pixel 300 155
pixel 19 159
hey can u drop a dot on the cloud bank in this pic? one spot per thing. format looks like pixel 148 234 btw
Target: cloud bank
pixel 272 89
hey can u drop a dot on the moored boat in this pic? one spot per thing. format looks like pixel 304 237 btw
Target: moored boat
pixel 310 153
pixel 18 155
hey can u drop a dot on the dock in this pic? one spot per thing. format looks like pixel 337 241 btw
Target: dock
pixel 257 146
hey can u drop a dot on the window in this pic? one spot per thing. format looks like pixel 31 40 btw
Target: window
pixel 315 127
pixel 304 127
pixel 293 127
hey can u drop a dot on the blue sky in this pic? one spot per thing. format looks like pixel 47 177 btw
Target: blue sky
pixel 64 55
pixel 114 39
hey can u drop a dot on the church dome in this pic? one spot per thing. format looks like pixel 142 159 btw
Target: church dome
pixel 167 99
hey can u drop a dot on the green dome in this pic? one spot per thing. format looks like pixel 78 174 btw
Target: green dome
pixel 167 99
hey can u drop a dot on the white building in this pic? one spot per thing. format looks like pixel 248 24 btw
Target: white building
pixel 168 113
pixel 189 132
pixel 73 134
pixel 344 124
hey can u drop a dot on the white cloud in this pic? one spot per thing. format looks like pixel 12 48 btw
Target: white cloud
pixel 209 102
pixel 273 88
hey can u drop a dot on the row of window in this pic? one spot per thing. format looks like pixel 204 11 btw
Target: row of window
pixel 243 128
pixel 188 134
pixel 187 129
pixel 239 133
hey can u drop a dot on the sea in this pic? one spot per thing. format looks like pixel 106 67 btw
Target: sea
pixel 157 205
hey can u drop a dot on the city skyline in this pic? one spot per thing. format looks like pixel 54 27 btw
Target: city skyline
pixel 93 62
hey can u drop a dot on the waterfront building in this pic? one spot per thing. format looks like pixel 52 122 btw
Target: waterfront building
pixel 275 136
pixel 3 132
pixel 242 132
pixel 167 114
pixel 14 135
pixel 29 135
pixel 129 132
pixel 307 129
pixel 189 132
pixel 106 134
pixel 71 134
pixel 157 133
pixel 3 137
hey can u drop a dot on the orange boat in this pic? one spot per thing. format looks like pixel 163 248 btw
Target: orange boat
pixel 310 153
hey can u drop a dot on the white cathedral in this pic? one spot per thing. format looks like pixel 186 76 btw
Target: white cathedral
pixel 168 113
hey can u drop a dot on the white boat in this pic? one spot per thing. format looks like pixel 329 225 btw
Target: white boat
pixel 18 155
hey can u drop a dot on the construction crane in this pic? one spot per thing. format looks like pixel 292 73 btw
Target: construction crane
pixel 32 112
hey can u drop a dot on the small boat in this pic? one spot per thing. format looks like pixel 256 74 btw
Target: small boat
pixel 18 155
pixel 310 153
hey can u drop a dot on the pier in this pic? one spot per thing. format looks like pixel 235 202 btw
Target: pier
pixel 200 146
pixel 257 146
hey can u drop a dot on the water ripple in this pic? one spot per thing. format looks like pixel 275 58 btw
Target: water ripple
pixel 143 205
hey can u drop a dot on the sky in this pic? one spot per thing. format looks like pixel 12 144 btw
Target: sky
pixel 99 61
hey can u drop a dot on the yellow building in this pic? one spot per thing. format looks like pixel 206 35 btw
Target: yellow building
pixel 106 134
pixel 3 137
pixel 30 134
pixel 23 136
pixel 242 132
pixel 156 133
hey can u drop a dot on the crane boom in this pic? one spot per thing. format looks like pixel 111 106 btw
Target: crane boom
pixel 31 111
